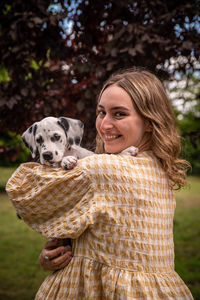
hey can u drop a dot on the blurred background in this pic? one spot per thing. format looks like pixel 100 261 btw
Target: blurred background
pixel 54 59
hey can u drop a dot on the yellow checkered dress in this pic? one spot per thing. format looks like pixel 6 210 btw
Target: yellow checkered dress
pixel 119 212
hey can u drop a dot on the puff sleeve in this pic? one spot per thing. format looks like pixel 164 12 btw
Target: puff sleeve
pixel 54 202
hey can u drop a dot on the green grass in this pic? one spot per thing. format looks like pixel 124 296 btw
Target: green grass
pixel 21 275
pixel 20 272
pixel 5 174
pixel 187 235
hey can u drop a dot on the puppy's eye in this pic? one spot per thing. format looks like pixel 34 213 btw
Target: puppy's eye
pixel 56 136
pixel 39 140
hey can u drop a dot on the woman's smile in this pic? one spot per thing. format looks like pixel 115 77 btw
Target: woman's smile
pixel 108 138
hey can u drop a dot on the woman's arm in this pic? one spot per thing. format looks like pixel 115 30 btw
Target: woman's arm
pixel 55 202
pixel 55 256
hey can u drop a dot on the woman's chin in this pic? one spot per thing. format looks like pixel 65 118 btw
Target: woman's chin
pixel 112 150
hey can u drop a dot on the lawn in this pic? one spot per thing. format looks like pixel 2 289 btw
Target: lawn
pixel 21 275
pixel 5 173
pixel 20 272
pixel 187 235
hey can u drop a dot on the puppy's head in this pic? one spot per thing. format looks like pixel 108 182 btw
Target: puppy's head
pixel 50 137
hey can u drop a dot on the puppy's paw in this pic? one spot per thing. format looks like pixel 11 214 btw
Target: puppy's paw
pixel 69 162
pixel 133 151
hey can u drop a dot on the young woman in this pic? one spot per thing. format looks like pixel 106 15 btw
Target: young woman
pixel 118 210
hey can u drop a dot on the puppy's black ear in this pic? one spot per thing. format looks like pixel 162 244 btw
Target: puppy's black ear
pixel 63 122
pixel 73 129
pixel 28 138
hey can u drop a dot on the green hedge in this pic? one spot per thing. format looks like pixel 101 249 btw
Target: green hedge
pixel 191 152
pixel 12 150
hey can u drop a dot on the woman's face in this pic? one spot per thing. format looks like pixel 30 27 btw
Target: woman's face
pixel 118 123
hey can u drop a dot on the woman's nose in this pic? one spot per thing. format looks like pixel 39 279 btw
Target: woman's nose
pixel 106 123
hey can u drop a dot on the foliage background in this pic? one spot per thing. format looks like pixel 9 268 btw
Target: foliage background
pixel 55 56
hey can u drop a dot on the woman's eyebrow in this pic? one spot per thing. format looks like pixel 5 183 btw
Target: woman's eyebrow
pixel 115 107
pixel 101 106
pixel 119 107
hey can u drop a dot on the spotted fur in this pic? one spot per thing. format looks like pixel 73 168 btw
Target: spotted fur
pixel 56 141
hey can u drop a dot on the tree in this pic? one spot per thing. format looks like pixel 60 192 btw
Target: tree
pixel 53 74
pixel 185 94
pixel 29 38
pixel 109 35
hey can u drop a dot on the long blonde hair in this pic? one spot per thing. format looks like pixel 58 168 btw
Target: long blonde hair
pixel 151 102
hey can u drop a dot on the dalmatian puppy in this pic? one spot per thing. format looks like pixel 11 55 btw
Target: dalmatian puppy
pixel 56 142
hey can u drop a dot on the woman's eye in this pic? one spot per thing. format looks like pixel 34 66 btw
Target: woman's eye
pixel 100 112
pixel 120 114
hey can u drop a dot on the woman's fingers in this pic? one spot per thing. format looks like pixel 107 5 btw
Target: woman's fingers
pixel 57 263
pixel 52 254
pixel 57 258
pixel 55 255
pixel 62 260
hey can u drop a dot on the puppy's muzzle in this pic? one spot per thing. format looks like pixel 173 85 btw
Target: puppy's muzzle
pixel 48 156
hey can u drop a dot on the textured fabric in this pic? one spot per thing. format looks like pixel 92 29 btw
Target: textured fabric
pixel 119 212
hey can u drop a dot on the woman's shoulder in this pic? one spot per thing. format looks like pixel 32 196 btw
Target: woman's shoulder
pixel 99 160
pixel 105 162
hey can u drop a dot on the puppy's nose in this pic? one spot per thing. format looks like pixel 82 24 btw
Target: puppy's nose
pixel 47 155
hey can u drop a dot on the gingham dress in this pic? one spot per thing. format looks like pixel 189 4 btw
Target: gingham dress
pixel 119 212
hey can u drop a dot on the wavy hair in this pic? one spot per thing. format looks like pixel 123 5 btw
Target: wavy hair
pixel 151 102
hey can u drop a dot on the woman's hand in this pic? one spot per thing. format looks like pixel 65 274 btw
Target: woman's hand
pixel 55 256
